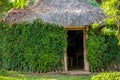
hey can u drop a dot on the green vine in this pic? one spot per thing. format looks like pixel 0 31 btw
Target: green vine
pixel 32 47
pixel 103 52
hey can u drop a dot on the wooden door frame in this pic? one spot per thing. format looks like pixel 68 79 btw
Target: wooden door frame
pixel 85 29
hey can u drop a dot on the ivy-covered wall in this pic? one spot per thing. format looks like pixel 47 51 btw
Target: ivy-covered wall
pixel 39 47
pixel 103 52
pixel 32 47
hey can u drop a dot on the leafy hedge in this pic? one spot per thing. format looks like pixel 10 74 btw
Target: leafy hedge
pixel 107 76
pixel 95 48
pixel 33 47
pixel 103 52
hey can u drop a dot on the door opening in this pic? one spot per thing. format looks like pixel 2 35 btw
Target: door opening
pixel 75 52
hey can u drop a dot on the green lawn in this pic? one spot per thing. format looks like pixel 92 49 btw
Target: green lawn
pixel 12 75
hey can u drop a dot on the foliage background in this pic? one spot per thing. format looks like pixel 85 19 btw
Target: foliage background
pixel 32 47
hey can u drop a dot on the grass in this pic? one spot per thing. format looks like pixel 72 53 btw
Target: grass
pixel 12 75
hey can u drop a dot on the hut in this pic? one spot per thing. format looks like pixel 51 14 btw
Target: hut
pixel 74 15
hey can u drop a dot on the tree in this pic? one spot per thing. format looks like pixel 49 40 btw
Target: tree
pixel 6 5
pixel 112 22
pixel 112 9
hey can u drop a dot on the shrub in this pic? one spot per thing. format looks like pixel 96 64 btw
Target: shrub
pixel 107 76
pixel 33 47
pixel 95 49
pixel 103 52
pixel 111 57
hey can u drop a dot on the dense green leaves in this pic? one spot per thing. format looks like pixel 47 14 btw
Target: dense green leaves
pixel 112 22
pixel 33 47
pixel 95 48
pixel 6 5
pixel 102 44
pixel 19 3
pixel 111 7
pixel 103 52
pixel 107 76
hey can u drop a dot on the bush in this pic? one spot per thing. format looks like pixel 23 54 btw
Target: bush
pixel 103 52
pixel 95 49
pixel 33 47
pixel 107 76
pixel 111 57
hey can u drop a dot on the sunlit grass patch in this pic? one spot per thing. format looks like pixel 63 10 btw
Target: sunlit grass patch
pixel 4 78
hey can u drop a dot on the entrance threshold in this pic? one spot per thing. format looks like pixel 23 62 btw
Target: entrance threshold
pixel 77 72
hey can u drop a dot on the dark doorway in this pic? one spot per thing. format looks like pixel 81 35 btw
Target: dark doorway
pixel 75 50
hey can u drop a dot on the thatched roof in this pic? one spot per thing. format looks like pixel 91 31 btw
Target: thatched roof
pixel 61 12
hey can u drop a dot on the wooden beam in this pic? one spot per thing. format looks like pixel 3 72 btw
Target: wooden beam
pixel 65 60
pixel 75 28
pixel 86 65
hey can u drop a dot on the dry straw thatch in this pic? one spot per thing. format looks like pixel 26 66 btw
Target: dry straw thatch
pixel 61 12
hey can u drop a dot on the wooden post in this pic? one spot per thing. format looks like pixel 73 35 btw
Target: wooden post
pixel 65 60
pixel 86 65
